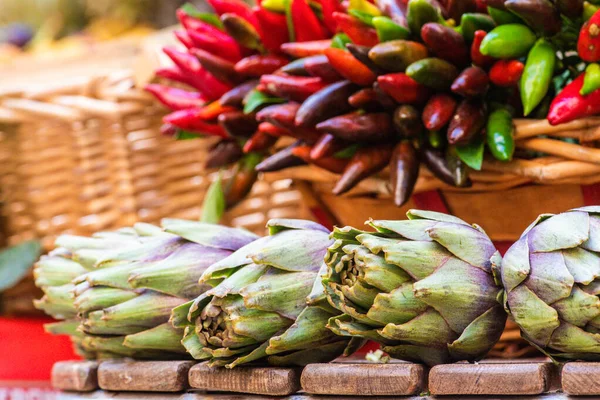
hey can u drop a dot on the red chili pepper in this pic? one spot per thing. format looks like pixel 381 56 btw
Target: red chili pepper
pixel 272 130
pixel 184 38
pixel 201 79
pixel 197 25
pixel 438 111
pixel 403 88
pixel 274 31
pixel 259 65
pixel 326 146
pixel 173 73
pixel 295 88
pixel 306 49
pixel 321 66
pixel 332 164
pixel 168 130
pixel 260 141
pixel 212 111
pixel 174 98
pixel 588 45
pixel 365 162
pixel 307 26
pixel 328 7
pixel 189 120
pixel 356 30
pixel 364 98
pixel 349 67
pixel 220 68
pixel 222 46
pixel 569 105
pixel 476 56
pixel 284 116
pixel 236 7
pixel 506 73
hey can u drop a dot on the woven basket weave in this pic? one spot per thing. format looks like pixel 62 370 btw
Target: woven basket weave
pixel 90 157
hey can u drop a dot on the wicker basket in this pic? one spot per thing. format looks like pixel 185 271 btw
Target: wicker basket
pixel 90 157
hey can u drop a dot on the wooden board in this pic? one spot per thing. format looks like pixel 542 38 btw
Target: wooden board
pixel 228 396
pixel 510 378
pixel 266 381
pixel 581 378
pixel 362 379
pixel 80 376
pixel 147 376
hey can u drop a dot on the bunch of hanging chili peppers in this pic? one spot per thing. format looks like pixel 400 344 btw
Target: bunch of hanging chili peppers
pixel 401 83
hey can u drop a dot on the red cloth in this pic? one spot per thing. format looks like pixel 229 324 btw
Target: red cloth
pixel 27 352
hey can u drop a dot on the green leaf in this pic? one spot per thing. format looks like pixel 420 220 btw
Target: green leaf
pixel 15 262
pixel 364 17
pixel 209 18
pixel 214 203
pixel 472 153
pixel 186 135
pixel 340 40
pixel 255 99
pixel 348 152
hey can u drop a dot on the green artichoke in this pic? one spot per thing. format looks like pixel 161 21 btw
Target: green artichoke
pixel 257 309
pixel 424 288
pixel 551 278
pixel 116 290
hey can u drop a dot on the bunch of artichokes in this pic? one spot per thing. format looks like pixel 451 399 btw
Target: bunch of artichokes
pixel 258 307
pixel 427 288
pixel 424 288
pixel 551 278
pixel 116 290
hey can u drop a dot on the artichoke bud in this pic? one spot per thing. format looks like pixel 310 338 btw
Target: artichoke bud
pixel 551 278
pixel 265 302
pixel 118 289
pixel 417 287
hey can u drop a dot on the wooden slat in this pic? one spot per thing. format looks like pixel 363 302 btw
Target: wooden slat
pixel 79 376
pixel 396 379
pixel 581 379
pixel 492 378
pixel 147 376
pixel 265 381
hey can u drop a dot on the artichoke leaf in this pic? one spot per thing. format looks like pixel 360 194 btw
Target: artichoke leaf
pixel 427 329
pixel 459 291
pixel 480 336
pixel 397 307
pixel 536 318
pixel 562 231
pixel 465 242
pixel 308 331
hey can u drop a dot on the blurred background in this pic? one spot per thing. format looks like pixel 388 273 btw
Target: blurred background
pixel 45 26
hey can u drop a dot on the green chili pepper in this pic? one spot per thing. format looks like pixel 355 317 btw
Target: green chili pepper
pixel 508 41
pixel 499 133
pixel 472 22
pixel 365 7
pixel 537 75
pixel 433 72
pixel 589 10
pixel 340 40
pixel 436 139
pixel 421 12
pixel 277 6
pixel 591 82
pixel 364 17
pixel 502 17
pixel 389 30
